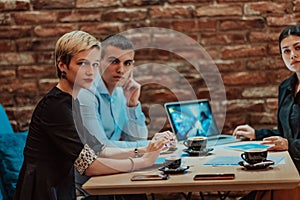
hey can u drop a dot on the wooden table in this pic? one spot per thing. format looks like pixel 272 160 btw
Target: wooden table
pixel 282 176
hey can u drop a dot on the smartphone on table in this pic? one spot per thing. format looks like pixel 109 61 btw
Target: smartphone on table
pixel 217 176
pixel 149 177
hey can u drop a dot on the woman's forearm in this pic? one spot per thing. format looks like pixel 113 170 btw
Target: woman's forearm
pixel 119 153
pixel 102 166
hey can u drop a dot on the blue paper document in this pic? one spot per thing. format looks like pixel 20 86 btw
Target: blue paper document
pixel 248 146
pixel 160 160
pixel 233 160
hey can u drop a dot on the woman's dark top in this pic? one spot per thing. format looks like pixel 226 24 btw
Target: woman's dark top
pixel 51 148
pixel 288 118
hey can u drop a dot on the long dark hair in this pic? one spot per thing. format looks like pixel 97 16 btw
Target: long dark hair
pixel 290 30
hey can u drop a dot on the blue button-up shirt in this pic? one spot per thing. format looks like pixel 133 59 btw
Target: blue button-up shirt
pixel 109 119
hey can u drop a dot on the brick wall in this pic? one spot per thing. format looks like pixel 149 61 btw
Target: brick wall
pixel 239 35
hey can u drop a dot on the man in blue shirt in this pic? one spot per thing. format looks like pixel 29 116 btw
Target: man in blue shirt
pixel 110 108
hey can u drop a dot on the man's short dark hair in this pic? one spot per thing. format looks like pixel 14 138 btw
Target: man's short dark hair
pixel 118 41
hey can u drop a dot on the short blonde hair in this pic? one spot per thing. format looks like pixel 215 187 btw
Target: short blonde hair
pixel 70 44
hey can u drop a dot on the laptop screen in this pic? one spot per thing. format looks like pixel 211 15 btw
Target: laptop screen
pixel 191 118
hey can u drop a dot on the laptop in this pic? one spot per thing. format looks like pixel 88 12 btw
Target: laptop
pixel 195 118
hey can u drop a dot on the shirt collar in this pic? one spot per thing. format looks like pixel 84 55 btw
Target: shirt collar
pixel 101 87
pixel 293 82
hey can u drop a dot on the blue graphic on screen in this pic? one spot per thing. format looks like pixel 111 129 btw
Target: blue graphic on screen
pixel 190 120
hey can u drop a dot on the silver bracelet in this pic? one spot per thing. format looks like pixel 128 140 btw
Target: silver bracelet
pixel 132 164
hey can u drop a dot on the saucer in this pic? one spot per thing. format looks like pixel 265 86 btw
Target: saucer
pixel 178 170
pixel 262 165
pixel 170 150
pixel 192 152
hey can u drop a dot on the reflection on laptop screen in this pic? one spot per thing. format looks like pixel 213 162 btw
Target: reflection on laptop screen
pixel 191 118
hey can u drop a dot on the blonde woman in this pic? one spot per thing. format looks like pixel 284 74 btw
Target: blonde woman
pixel 56 136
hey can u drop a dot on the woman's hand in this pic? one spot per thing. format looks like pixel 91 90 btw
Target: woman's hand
pixel 170 136
pixel 153 150
pixel 244 131
pixel 280 143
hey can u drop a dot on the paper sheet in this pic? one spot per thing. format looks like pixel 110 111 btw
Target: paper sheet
pixel 233 160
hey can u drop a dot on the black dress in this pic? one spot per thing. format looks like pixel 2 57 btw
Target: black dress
pixel 288 119
pixel 51 148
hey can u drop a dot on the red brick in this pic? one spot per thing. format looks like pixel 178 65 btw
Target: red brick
pixel 261 92
pixel 45 58
pixel 14 5
pixel 45 85
pixel 187 1
pixel 276 63
pixel 97 3
pixel 231 1
pixel 16 58
pixel 243 51
pixel 263 118
pixel 142 54
pixel 203 93
pixel 128 15
pixel 160 96
pixel 7 73
pixel 7 99
pixel 53 30
pixel 272 104
pixel 282 20
pixel 273 48
pixel 276 77
pixel 132 3
pixel 45 4
pixel 231 121
pixel 213 52
pixel 79 16
pixel 296 7
pixel 34 17
pixel 240 106
pixel 261 63
pixel 105 29
pixel 160 54
pixel 14 31
pixel 185 25
pixel 139 39
pixel 18 86
pixel 230 65
pixel 36 71
pixel 135 25
pixel 7 45
pixel 259 8
pixel 219 10
pixel 35 44
pixel 6 19
pixel 207 24
pixel 265 36
pixel 233 93
pixel 28 99
pixel 223 38
pixel 162 23
pixel 170 12
pixel 244 78
pixel 242 24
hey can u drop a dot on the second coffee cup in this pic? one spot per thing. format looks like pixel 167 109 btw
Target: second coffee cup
pixel 253 156
pixel 196 143
pixel 173 162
